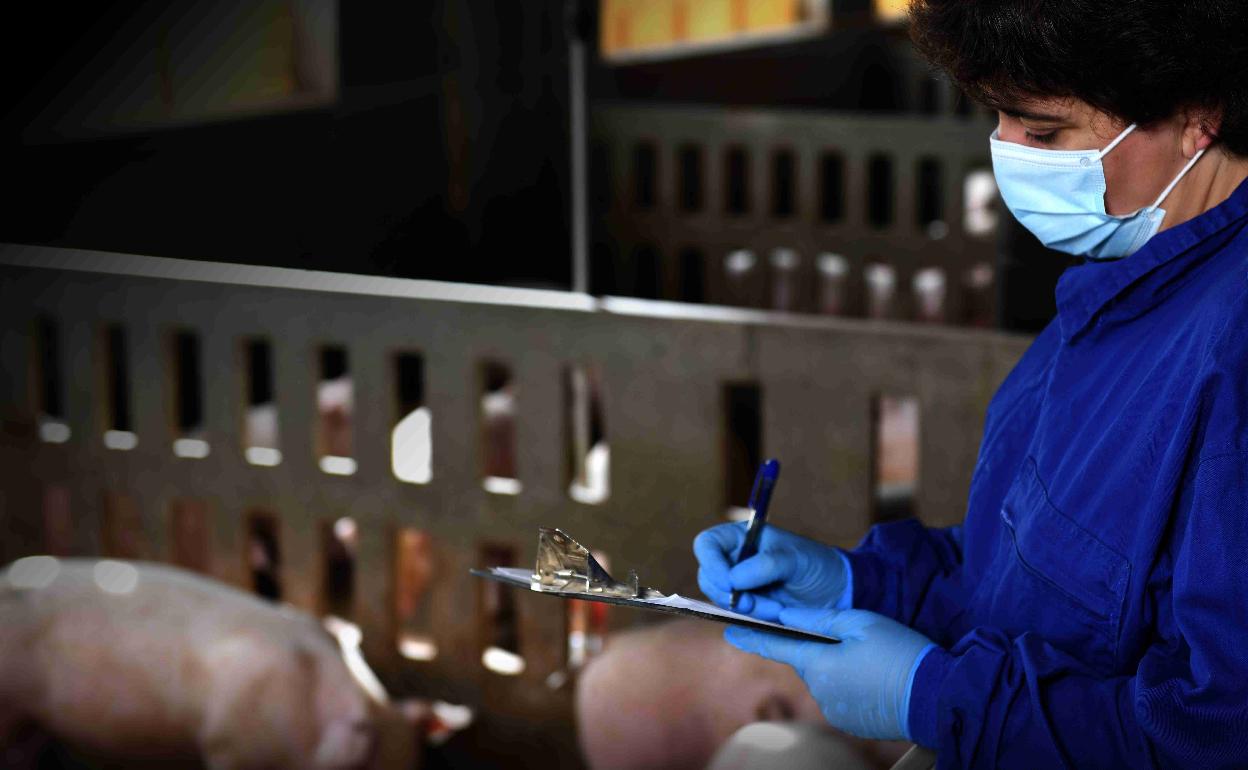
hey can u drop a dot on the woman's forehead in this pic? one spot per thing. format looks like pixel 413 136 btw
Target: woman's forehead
pixel 1065 110
pixel 1050 109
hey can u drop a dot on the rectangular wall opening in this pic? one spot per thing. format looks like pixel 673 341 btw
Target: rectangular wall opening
pixel 585 433
pixel 833 283
pixel 122 535
pixel 783 184
pixel 339 539
pixel 189 535
pixel 743 442
pixel 499 619
pixel 895 456
pixel 645 176
pixel 58 522
pixel 930 290
pixel 604 275
pixel 49 384
pixel 930 206
pixel 692 275
pixel 880 193
pixel 498 430
pixel 263 554
pixel 411 441
pixel 647 272
pixel 981 203
pixel 831 187
pixel 689 164
pixel 260 423
pixel 335 405
pixel 414 573
pixel 786 288
pixel 880 281
pixel 978 291
pixel 737 173
pixel 742 285
pixel 118 425
pixel 188 402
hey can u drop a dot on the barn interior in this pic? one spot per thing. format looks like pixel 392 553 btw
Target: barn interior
pixel 333 302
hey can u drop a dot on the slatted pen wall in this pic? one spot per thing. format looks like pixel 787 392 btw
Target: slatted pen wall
pixel 136 391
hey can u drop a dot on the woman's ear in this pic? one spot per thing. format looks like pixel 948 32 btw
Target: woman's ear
pixel 1200 131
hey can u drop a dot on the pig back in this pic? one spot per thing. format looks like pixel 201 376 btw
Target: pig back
pixel 155 661
pixel 668 695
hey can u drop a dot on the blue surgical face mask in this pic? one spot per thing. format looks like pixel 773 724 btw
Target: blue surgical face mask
pixel 1059 195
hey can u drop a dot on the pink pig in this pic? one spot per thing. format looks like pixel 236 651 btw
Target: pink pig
pixel 667 696
pixel 141 662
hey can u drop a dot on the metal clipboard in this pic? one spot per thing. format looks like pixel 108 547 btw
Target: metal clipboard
pixel 566 569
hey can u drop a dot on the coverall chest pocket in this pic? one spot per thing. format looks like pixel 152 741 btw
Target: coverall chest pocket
pixel 1065 584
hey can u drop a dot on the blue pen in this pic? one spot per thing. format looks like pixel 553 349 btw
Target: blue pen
pixel 760 498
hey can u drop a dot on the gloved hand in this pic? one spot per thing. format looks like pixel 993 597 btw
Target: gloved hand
pixel 862 685
pixel 788 571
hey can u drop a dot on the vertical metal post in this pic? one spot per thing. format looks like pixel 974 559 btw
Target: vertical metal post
pixel 576 25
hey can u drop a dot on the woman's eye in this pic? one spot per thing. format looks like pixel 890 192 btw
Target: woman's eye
pixel 1048 138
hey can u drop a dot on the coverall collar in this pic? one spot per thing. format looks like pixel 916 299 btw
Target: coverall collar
pixel 1085 291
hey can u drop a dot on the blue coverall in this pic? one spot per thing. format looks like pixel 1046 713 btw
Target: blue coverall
pixel 1093 606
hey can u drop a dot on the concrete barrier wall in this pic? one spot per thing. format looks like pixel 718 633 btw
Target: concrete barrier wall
pixel 663 371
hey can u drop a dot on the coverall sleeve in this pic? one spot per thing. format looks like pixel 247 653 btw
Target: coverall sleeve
pixel 992 701
pixel 908 572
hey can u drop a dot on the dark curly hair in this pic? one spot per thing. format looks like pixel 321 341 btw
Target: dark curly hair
pixel 1141 60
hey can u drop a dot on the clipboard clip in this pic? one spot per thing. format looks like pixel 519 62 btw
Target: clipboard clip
pixel 566 566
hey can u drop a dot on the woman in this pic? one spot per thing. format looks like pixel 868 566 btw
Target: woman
pixel 1092 609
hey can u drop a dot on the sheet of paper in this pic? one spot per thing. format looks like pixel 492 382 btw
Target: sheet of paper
pixel 522 576
pixel 683 603
pixel 679 602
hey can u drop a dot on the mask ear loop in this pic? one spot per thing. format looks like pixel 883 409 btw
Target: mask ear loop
pixel 1126 132
pixel 1117 141
pixel 1170 188
pixel 1152 210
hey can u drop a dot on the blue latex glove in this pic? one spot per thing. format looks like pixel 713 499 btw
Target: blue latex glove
pixel 862 685
pixel 788 571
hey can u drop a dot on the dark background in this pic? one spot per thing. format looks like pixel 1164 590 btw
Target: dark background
pixel 365 185
pixel 445 156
